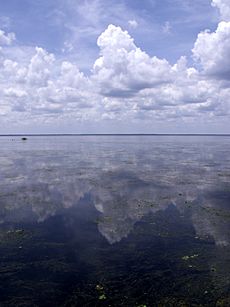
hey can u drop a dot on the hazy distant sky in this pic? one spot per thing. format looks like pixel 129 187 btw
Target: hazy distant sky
pixel 113 66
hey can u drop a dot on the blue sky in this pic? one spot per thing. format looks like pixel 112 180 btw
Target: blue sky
pixel 114 66
pixel 165 28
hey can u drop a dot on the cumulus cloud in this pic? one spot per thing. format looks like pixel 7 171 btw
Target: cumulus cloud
pixel 125 83
pixel 14 92
pixel 43 86
pixel 123 69
pixel 38 69
pixel 224 8
pixel 212 49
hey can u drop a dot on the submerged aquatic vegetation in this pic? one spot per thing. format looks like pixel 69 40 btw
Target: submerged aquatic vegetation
pixel 189 257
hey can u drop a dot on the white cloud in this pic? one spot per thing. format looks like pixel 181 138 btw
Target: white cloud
pixel 123 69
pixel 6 39
pixel 212 49
pixel 167 27
pixel 14 92
pixel 126 84
pixel 43 86
pixel 68 47
pixel 38 70
pixel 133 23
pixel 13 71
pixel 224 8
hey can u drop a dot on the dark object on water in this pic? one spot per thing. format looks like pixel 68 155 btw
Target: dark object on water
pixel 24 139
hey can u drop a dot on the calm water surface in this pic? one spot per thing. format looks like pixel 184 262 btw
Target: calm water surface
pixel 115 221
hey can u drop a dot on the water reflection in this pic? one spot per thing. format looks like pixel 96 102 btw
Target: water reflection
pixel 175 189
pixel 124 183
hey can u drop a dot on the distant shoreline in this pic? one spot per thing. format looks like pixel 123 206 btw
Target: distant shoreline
pixel 115 134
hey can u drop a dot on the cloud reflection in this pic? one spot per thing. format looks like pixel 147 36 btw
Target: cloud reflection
pixel 124 182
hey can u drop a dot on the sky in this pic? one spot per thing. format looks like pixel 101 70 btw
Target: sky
pixel 114 66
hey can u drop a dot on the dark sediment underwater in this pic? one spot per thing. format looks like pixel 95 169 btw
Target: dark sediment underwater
pixel 115 221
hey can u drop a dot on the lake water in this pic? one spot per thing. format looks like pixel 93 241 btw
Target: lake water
pixel 115 221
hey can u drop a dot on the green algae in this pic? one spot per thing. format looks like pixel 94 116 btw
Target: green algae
pixel 189 257
pixel 102 297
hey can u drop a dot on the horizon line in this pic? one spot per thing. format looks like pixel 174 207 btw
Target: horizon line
pixel 115 134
